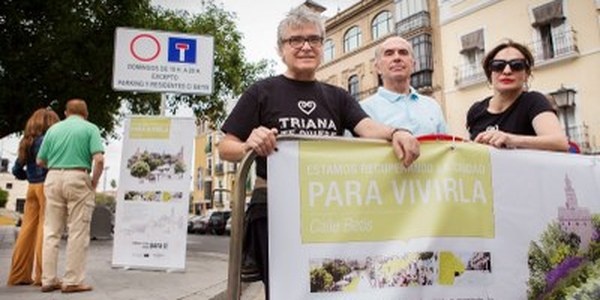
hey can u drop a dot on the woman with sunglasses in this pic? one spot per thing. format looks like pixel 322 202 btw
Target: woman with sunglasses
pixel 514 117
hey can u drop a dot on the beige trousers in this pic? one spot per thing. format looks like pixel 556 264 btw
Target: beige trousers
pixel 69 201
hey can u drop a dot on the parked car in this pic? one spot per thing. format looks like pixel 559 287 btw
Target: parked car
pixel 228 226
pixel 217 222
pixel 190 225
pixel 198 224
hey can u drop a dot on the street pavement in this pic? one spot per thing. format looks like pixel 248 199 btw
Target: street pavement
pixel 205 276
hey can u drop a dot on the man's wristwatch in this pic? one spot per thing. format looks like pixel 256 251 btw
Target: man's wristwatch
pixel 398 129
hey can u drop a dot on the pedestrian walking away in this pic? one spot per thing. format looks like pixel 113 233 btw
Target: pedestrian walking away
pixel 68 150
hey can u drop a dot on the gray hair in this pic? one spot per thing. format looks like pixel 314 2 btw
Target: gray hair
pixel 379 47
pixel 299 17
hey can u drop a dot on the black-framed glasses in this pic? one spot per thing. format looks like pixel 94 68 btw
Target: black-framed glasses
pixel 297 42
pixel 498 65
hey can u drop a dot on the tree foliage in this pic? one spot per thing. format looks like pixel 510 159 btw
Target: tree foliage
pixel 320 280
pixel 53 51
pixel 337 268
pixel 140 169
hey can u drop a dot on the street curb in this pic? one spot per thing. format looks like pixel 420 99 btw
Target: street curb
pixel 250 291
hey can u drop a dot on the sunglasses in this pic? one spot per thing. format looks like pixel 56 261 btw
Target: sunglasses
pixel 498 65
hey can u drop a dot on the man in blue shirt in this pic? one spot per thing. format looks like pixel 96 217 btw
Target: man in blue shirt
pixel 397 104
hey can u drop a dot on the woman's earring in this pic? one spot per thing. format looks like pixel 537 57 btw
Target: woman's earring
pixel 525 86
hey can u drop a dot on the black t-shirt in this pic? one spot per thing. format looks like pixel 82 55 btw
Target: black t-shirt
pixel 293 107
pixel 516 119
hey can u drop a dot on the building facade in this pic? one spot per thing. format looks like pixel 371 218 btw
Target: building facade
pixel 17 191
pixel 564 37
pixel 354 33
pixel 575 219
pixel 213 178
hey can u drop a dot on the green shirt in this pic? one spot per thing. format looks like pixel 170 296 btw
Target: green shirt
pixel 71 144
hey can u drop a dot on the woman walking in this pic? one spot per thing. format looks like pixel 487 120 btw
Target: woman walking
pixel 28 246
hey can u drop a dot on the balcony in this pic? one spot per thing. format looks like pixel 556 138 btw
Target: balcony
pixel 468 74
pixel 231 167
pixel 558 46
pixel 420 20
pixel 579 134
pixel 421 80
pixel 219 169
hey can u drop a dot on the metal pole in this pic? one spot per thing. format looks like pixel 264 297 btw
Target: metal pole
pixel 105 177
pixel 237 228
pixel 566 122
pixel 163 103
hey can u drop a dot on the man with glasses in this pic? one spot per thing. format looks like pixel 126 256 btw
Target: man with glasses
pixel 396 103
pixel 295 103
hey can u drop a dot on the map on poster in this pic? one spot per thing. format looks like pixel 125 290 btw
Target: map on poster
pixel 152 198
pixel 463 222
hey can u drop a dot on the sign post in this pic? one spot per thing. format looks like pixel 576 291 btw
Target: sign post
pixel 152 201
pixel 157 61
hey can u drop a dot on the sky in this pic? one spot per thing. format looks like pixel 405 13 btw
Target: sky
pixel 256 20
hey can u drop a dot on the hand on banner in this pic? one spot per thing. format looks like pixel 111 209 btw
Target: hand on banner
pixel 406 147
pixel 262 140
pixel 496 138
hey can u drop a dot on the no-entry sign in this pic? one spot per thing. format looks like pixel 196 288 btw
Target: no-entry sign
pixel 158 61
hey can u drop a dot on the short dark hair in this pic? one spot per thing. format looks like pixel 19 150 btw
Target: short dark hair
pixel 508 44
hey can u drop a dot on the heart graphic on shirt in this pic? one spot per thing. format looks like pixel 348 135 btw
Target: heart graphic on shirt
pixel 307 106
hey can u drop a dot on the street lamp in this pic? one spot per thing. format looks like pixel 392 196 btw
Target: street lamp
pixel 565 98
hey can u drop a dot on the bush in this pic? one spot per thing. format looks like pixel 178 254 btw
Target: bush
pixel 320 280
pixel 3 198
pixel 106 200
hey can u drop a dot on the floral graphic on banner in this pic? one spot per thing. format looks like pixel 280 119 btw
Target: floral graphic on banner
pixel 565 263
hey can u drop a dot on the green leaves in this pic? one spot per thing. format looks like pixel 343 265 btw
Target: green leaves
pixel 59 50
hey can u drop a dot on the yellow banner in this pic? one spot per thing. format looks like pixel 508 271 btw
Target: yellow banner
pixel 360 192
pixel 150 128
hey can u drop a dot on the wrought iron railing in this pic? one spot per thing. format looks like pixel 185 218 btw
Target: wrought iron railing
pixel 219 169
pixel 417 21
pixel 422 79
pixel 468 74
pixel 580 135
pixel 562 44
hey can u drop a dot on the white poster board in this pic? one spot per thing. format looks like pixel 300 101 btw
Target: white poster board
pixel 158 61
pixel 347 221
pixel 153 193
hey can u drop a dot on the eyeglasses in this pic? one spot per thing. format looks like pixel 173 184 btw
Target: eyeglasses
pixel 297 42
pixel 498 65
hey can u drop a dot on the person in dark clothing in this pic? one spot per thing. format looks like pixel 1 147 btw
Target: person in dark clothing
pixel 514 117
pixel 295 103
